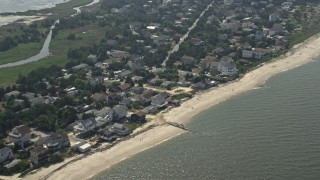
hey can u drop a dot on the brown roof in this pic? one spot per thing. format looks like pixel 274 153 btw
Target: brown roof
pixel 124 87
pixel 55 136
pixel 140 113
pixel 262 50
pixel 23 129
pixel 99 96
pixel 148 93
pixel 39 149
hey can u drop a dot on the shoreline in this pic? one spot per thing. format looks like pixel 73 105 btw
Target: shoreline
pixel 21 17
pixel 32 15
pixel 86 169
pixel 48 5
pixel 7 20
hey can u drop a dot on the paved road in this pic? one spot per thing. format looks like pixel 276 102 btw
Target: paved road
pixel 176 47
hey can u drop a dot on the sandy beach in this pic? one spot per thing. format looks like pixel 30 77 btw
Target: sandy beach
pixel 91 165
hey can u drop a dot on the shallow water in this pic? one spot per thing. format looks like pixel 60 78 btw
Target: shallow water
pixel 25 5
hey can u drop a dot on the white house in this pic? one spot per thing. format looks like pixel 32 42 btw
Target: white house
pixel 5 154
pixel 84 148
pixel 227 68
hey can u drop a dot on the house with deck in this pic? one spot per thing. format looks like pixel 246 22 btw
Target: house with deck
pixel 20 135
pixel 39 155
pixel 55 142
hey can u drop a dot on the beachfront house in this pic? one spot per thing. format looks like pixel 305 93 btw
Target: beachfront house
pixel 39 155
pixel 138 117
pixel 227 68
pixel 259 53
pixel 119 129
pixel 158 100
pixel 107 135
pixel 54 142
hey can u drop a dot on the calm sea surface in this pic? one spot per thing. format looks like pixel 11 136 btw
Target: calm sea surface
pixel 25 5
pixel 268 133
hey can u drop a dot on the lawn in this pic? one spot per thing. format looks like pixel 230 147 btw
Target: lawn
pixel 22 51
pixel 10 75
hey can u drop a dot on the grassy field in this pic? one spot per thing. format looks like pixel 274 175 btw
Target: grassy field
pixel 10 75
pixel 22 51
pixel 86 36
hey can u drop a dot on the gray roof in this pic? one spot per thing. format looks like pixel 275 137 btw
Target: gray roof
pixel 189 58
pixel 5 150
pixel 103 112
pixel 126 101
pixel 37 100
pixel 166 83
pixel 137 88
pixel 120 109
pixel 228 65
pixel 118 125
pixel 125 73
pixel 90 122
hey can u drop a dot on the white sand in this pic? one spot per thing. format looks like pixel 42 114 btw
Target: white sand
pixel 87 167
pixel 4 20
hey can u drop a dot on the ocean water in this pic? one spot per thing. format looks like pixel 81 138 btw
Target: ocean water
pixel 267 133
pixel 25 5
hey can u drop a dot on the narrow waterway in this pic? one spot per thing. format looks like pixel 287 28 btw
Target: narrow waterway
pixel 78 9
pixel 42 54
pixel 45 51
